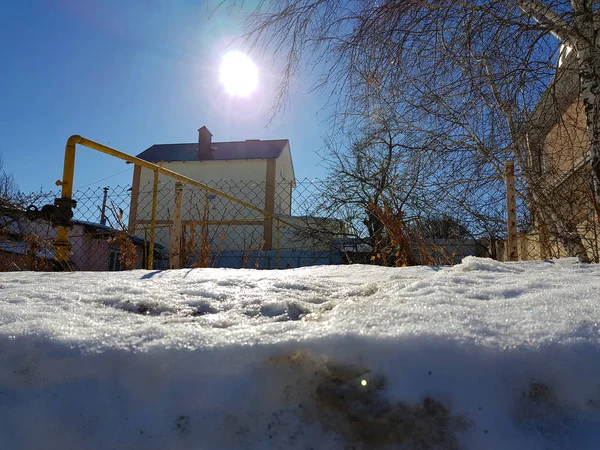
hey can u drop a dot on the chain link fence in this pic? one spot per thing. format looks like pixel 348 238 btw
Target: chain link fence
pixel 202 229
pixel 567 223
pixel 125 227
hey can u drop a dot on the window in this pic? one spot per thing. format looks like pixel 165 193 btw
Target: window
pixel 114 262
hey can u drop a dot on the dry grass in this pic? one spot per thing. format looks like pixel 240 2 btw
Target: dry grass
pixel 128 254
pixel 203 254
pixel 31 245
pixel 253 249
pixel 403 245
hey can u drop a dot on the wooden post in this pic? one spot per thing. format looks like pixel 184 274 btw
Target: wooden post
pixel 175 238
pixel 269 204
pixel 278 244
pixel 511 209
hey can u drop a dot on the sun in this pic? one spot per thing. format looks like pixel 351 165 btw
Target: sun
pixel 238 74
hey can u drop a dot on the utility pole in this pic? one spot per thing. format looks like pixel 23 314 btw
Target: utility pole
pixel 103 210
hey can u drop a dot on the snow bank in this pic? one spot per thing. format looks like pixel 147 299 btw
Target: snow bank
pixel 483 355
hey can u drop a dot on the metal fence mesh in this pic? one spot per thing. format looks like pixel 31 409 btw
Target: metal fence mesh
pixel 113 229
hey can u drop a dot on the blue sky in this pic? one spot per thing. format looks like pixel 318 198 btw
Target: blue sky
pixel 130 74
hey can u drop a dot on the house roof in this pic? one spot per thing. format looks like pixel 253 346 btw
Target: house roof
pixel 97 228
pixel 9 225
pixel 23 248
pixel 249 149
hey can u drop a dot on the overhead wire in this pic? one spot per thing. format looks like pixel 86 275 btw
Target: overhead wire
pixel 103 179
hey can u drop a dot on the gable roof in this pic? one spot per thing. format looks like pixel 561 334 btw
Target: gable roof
pixel 250 149
pixel 23 248
pixel 105 230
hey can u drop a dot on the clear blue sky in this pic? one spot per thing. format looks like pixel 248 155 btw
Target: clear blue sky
pixel 130 74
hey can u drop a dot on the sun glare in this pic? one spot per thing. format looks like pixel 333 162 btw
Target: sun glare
pixel 238 74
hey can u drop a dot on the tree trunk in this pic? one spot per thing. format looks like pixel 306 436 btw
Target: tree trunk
pixel 589 67
pixel 588 57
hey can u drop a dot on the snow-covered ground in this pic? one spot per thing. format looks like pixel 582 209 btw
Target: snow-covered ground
pixel 483 355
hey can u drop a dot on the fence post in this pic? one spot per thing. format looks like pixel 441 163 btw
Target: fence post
pixel 153 222
pixel 175 241
pixel 511 208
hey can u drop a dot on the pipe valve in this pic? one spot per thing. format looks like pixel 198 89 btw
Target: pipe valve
pixel 59 214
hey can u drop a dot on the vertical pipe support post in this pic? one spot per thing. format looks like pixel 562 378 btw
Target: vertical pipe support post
pixel 62 246
pixel 153 221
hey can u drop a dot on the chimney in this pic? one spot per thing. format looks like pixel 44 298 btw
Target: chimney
pixel 204 144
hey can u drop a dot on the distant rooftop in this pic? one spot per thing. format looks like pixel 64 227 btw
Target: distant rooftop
pixel 250 149
pixel 98 228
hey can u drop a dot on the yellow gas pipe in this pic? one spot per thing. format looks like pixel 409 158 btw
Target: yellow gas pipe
pixel 62 246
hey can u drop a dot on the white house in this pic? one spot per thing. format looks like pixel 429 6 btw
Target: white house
pixel 259 172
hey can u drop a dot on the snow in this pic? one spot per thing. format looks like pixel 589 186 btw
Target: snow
pixel 482 355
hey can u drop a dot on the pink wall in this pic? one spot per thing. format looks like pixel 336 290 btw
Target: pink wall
pixel 89 252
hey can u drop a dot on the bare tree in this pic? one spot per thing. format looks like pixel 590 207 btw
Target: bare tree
pixel 378 167
pixel 469 73
pixel 8 187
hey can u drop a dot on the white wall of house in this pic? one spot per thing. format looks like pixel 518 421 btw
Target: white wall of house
pixel 284 183
pixel 242 179
pixel 242 175
pixel 206 171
